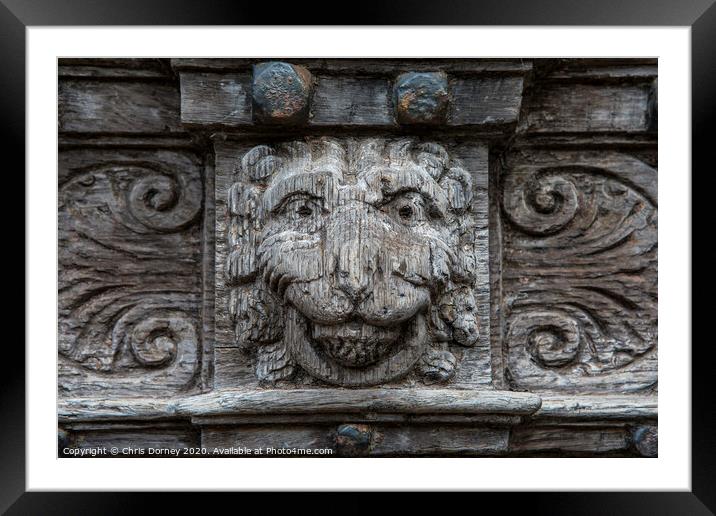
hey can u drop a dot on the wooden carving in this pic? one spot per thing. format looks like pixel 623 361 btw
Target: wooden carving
pixel 466 266
pixel 352 260
pixel 580 271
pixel 129 254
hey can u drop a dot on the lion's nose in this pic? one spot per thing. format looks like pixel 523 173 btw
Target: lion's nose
pixel 355 247
pixel 355 286
pixel 355 265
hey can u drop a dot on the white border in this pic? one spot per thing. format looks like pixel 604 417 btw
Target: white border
pixel 670 471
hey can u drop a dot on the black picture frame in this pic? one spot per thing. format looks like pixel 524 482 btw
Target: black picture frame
pixel 700 15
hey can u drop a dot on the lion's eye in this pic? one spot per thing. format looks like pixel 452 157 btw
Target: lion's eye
pixel 303 209
pixel 406 212
pixel 407 208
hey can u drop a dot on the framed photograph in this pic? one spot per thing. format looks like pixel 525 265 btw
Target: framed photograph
pixel 368 253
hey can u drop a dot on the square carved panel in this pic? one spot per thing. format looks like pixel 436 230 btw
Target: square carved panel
pixel 352 262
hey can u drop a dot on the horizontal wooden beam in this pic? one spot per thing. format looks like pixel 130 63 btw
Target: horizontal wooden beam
pixel 277 401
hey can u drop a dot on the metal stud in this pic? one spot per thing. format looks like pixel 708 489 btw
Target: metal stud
pixel 421 98
pixel 281 93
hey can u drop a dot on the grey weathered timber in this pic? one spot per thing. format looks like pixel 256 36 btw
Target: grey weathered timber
pixel 375 257
pixel 597 108
pixel 272 401
pixel 385 440
pixel 379 246
pixel 573 440
pixel 117 68
pixel 129 284
pixel 224 99
pixel 118 107
pixel 579 270
pixel 597 407
pixel 211 98
pixel 413 401
pixel 375 67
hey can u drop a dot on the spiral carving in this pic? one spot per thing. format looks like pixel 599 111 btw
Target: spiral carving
pixel 580 270
pixel 129 248
pixel 554 339
pixel 567 347
pixel 164 202
pixel 141 198
pixel 551 338
pixel 129 333
pixel 155 339
pixel 542 205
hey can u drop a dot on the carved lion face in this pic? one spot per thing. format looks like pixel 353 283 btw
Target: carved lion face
pixel 352 259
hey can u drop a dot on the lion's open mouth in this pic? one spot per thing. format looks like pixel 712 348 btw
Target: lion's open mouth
pixel 355 343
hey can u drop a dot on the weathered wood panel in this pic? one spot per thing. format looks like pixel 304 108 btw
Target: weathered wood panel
pixel 569 439
pixel 114 68
pixel 414 401
pixel 579 274
pixel 129 271
pixel 439 440
pixel 367 66
pixel 352 101
pixel 118 107
pixel 485 101
pixel 239 237
pixel 596 70
pixel 216 98
pixel 385 440
pixel 129 441
pixel 210 98
pixel 599 407
pixel 560 259
pixel 556 107
pixel 228 402
pixel 300 437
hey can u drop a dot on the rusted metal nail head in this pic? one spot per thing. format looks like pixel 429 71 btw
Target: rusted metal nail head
pixel 281 93
pixel 353 440
pixel 421 98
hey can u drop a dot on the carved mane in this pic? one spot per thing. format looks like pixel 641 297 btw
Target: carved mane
pixel 266 256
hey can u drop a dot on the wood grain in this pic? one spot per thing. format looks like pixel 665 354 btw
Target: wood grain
pixel 178 283
pixel 571 440
pixel 253 181
pixel 224 99
pixel 129 278
pixel 557 107
pixel 277 401
pixel 363 66
pixel 352 101
pixel 208 98
pixel 579 271
pixel 485 101
pixel 89 106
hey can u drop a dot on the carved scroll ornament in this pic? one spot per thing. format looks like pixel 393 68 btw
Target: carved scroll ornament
pixel 129 256
pixel 580 272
